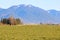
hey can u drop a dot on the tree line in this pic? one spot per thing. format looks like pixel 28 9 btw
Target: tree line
pixel 11 21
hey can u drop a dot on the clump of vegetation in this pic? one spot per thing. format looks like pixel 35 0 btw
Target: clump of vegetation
pixel 11 21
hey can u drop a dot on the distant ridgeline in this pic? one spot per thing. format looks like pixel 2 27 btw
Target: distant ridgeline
pixel 10 21
pixel 30 15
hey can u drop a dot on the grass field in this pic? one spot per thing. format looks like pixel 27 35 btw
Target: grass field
pixel 30 32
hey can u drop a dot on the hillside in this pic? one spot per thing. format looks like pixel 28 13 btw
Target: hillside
pixel 31 14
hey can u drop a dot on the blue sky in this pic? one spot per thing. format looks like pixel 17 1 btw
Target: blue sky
pixel 44 4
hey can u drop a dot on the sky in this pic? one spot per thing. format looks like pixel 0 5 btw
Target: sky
pixel 44 4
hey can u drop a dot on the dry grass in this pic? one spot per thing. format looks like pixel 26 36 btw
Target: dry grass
pixel 30 32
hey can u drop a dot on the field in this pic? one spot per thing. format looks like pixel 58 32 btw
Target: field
pixel 30 32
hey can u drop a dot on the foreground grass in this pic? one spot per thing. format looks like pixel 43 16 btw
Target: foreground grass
pixel 30 32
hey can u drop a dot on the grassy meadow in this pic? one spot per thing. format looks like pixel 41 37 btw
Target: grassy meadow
pixel 30 32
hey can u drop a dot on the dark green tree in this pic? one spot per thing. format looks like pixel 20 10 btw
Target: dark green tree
pixel 18 21
pixel 5 21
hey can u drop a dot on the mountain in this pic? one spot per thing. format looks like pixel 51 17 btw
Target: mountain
pixel 31 14
pixel 55 15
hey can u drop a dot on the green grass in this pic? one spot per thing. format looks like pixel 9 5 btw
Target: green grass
pixel 30 32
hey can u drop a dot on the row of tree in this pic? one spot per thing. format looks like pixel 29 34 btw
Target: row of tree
pixel 11 21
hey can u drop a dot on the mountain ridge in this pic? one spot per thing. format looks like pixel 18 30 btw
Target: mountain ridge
pixel 31 14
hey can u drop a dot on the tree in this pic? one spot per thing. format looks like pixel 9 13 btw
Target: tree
pixel 18 21
pixel 11 21
pixel 5 21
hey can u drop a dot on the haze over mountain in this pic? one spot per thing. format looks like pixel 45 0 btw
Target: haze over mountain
pixel 31 14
